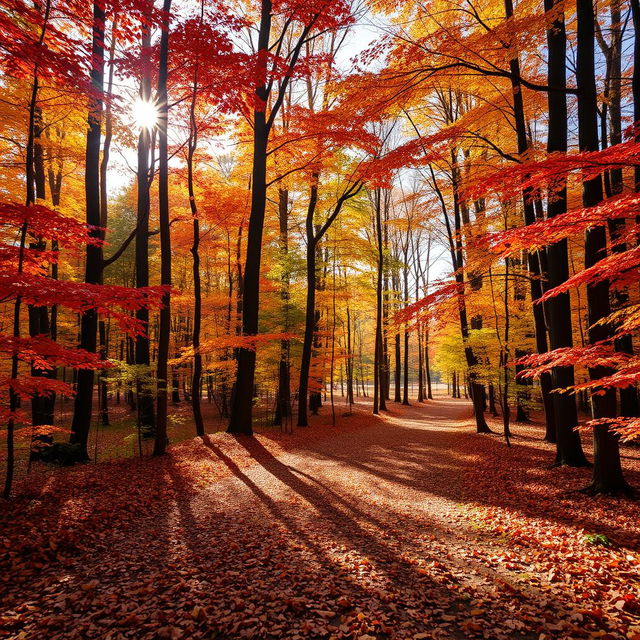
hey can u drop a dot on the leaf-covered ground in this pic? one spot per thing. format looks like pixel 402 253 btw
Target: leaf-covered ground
pixel 403 526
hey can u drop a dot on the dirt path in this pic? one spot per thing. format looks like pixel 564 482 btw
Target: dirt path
pixel 389 528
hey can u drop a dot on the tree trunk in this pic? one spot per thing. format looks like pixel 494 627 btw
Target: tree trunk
pixel 398 369
pixel 196 378
pixel 477 389
pixel 310 313
pixel 349 361
pixel 144 395
pixel 160 442
pixel 607 470
pixel 379 403
pixel 534 262
pixel 568 446
pixel 242 403
pixel 104 199
pixel 492 400
pixel 427 367
pixel 283 400
pixel 635 83
pixel 41 406
pixel 14 398
pixel 83 403
pixel 405 386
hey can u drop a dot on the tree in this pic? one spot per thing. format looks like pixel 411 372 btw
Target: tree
pixel 314 15
pixel 314 236
pixel 160 442
pixel 144 397
pixel 568 446
pixel 93 265
pixel 607 471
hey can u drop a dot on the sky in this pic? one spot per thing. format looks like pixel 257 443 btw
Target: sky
pixel 123 163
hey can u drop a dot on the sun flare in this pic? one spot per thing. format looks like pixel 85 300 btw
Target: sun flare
pixel 145 114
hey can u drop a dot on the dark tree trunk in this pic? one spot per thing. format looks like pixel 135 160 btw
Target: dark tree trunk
pixel 55 189
pixel 427 367
pixel 405 384
pixel 568 446
pixel 349 360
pixel 521 411
pixel 315 396
pixel 283 400
pixel 534 262
pixel 175 386
pixel 421 391
pixel 160 442
pixel 457 261
pixel 103 395
pixel 83 403
pixel 310 313
pixel 41 406
pixel 547 400
pixel 196 378
pixel 492 401
pixel 241 411
pixel 477 389
pixel 242 403
pixel 398 370
pixel 379 403
pixel 144 395
pixel 14 398
pixel 607 470
pixel 635 82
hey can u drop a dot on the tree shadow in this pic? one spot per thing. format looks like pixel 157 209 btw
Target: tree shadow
pixel 425 458
pixel 395 579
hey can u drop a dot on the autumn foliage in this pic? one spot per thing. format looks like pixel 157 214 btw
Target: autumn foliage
pixel 261 216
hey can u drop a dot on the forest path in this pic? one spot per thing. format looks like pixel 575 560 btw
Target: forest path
pixel 406 525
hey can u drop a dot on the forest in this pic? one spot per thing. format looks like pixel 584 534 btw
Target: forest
pixel 318 319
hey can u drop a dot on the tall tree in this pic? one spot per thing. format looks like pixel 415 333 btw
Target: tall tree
pixel 607 470
pixel 196 379
pixel 535 261
pixel 93 265
pixel 160 442
pixel 144 399
pixel 283 402
pixel 267 105
pixel 568 446
pixel 314 236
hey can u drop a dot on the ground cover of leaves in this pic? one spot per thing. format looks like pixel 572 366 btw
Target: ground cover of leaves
pixel 404 526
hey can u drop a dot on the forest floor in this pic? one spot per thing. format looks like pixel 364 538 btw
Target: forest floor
pixel 407 525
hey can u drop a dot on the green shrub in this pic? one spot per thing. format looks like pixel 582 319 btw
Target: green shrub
pixel 597 539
